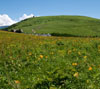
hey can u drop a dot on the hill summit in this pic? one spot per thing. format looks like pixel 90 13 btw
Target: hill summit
pixel 68 25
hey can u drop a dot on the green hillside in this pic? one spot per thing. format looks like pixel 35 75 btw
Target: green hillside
pixel 69 25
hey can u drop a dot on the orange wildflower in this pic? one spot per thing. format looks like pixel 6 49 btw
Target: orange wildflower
pixel 74 64
pixel 17 81
pixel 76 74
pixel 41 56
pixel 90 68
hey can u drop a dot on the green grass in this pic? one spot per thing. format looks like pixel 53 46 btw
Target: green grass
pixel 72 25
pixel 33 62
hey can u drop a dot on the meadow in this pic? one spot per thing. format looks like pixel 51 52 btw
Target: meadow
pixel 35 62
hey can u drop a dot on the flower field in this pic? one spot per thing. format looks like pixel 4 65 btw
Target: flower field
pixel 33 62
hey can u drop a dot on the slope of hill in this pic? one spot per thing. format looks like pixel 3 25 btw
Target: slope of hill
pixel 69 25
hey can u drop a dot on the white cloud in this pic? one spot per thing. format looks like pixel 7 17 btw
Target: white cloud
pixel 25 16
pixel 6 20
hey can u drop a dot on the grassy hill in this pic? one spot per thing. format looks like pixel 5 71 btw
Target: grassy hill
pixel 35 62
pixel 69 25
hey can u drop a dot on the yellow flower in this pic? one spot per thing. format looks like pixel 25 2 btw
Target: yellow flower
pixel 85 57
pixel 69 51
pixel 79 53
pixel 90 68
pixel 76 74
pixel 30 54
pixel 46 56
pixel 74 64
pixel 38 59
pixel 17 81
pixel 52 53
pixel 41 56
pixel 74 49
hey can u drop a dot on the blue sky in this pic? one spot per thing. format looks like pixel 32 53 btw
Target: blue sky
pixel 16 8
